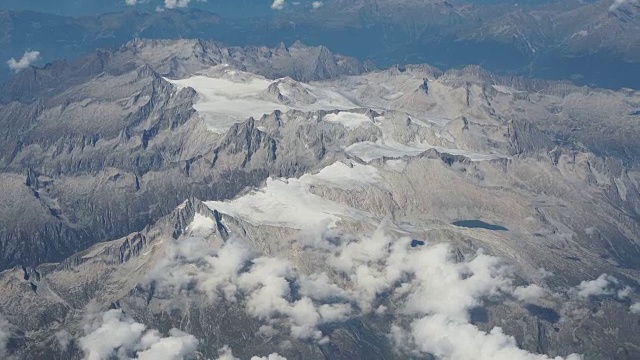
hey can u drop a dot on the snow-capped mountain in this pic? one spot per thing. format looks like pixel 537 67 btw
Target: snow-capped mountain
pixel 290 203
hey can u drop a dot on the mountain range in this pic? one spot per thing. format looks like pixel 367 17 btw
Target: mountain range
pixel 173 199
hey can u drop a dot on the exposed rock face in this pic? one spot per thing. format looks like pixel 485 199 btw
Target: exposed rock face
pixel 116 129
pixel 351 174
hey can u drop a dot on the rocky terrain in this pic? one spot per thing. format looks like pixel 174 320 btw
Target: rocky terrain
pixel 88 146
pixel 184 199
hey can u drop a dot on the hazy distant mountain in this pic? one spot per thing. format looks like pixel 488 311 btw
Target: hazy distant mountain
pixel 591 43
pixel 194 199
pixel 229 8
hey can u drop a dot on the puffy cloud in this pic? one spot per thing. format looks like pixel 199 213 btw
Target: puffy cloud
pixel 426 289
pixel 27 59
pixel 194 260
pixel 434 293
pixel 320 287
pixel 115 334
pixel 597 287
pixel 624 293
pixel 635 308
pixel 267 282
pixel 273 356
pixel 529 293
pixel 173 4
pixel 225 353
pixel 222 271
pixel 278 4
pixel 5 334
pixel 542 274
pixel 64 339
pixel 267 286
pixel 317 4
pixel 427 278
pixel 449 339
pixel 131 2
pixel 175 347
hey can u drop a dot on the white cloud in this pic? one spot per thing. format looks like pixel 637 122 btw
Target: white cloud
pixel 435 294
pixel 5 334
pixel 317 4
pixel 226 354
pixel 222 271
pixel 624 293
pixel 115 334
pixel 216 270
pixel 597 287
pixel 448 339
pixel 64 339
pixel 635 308
pixel 617 3
pixel 131 2
pixel 425 288
pixel 267 286
pixel 529 293
pixel 175 347
pixel 273 356
pixel 542 274
pixel 278 4
pixel 173 4
pixel 320 287
pixel 27 59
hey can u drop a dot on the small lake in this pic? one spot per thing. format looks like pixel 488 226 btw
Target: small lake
pixel 416 243
pixel 478 224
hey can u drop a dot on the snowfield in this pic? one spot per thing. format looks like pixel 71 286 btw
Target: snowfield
pixel 289 203
pixel 227 96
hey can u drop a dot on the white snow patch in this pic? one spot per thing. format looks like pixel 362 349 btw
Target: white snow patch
pixel 368 150
pixel 345 176
pixel 200 222
pixel 581 33
pixel 389 147
pixel 183 205
pixel 622 188
pixel 348 119
pixel 506 89
pixel 233 96
pixel 396 165
pixel 224 102
pixel 326 98
pixel 288 202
